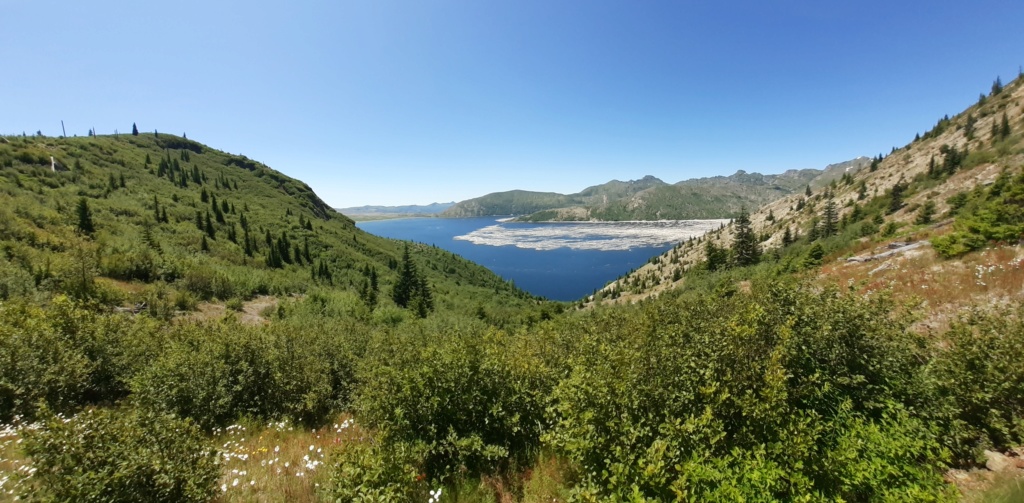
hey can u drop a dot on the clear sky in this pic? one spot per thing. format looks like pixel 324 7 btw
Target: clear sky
pixel 412 102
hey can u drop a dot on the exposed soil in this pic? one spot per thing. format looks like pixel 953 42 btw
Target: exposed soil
pixel 251 313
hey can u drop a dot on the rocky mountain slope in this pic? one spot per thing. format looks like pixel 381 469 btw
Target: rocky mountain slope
pixel 652 199
pixel 954 162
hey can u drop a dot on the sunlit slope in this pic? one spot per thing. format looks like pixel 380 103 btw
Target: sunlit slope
pixel 170 212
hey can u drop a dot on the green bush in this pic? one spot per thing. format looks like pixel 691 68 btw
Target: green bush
pixel 216 373
pixel 189 380
pixel 42 363
pixel 474 397
pixel 745 397
pixel 126 454
pixel 979 380
pixel 371 473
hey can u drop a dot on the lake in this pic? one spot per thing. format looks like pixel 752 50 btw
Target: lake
pixel 560 261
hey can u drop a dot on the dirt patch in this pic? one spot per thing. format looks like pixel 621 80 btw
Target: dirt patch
pixel 251 313
pixel 1002 469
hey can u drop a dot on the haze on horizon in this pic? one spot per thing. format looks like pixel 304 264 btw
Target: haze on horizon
pixel 401 102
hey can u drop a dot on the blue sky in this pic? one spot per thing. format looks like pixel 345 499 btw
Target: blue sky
pixel 412 102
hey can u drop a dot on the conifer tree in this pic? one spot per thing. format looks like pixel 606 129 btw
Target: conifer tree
pixel 829 218
pixel 210 231
pixel 85 224
pixel 135 130
pixel 787 237
pixel 423 300
pixel 896 197
pixel 745 248
pixel 247 246
pixel 716 256
pixel 407 281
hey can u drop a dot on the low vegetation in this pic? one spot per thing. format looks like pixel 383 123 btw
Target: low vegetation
pixel 398 372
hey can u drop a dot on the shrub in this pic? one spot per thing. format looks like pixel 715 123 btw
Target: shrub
pixel 368 472
pixel 476 399
pixel 42 362
pixel 753 394
pixel 128 455
pixel 980 384
pixel 188 380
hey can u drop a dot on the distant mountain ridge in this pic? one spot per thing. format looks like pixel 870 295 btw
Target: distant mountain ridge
pixel 360 212
pixel 650 198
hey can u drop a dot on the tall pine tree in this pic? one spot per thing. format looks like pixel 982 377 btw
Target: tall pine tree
pixel 745 248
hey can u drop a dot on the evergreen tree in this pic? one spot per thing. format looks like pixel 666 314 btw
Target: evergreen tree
pixel 403 290
pixel 925 214
pixel 247 245
pixel 423 300
pixel 85 224
pixel 204 246
pixel 1004 127
pixel 896 196
pixel 787 237
pixel 815 231
pixel 284 248
pixel 807 191
pixel 862 190
pixel 199 221
pixel 829 218
pixel 135 130
pixel 745 248
pixel 163 215
pixel 717 257
pixel 997 86
pixel 210 231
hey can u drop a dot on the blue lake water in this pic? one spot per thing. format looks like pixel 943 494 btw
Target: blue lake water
pixel 560 261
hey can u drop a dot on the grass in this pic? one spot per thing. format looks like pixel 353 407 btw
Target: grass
pixel 259 462
pixel 277 462
pixel 944 288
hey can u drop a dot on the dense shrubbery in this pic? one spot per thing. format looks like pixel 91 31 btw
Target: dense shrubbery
pixel 372 473
pixel 753 399
pixel 124 454
pixel 995 214
pixel 980 384
pixel 474 397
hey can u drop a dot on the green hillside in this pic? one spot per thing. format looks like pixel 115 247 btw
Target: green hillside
pixel 648 198
pixel 175 222
pixel 767 367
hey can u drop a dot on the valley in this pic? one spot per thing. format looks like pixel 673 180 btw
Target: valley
pixel 179 323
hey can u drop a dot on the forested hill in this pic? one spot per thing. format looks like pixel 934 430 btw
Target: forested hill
pixel 165 220
pixel 652 199
pixel 952 187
